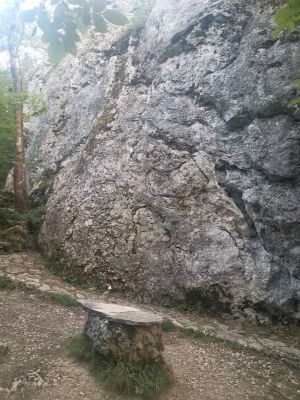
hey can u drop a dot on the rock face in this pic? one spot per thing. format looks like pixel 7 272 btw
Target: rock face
pixel 174 158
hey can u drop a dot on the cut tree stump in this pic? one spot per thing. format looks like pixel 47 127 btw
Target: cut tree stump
pixel 119 332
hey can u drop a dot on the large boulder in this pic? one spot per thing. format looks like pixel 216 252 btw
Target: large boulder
pixel 176 158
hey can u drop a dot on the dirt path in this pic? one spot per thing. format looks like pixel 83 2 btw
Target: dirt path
pixel 36 332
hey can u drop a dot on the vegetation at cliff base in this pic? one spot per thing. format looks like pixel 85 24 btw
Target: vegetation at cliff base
pixel 7 127
pixel 288 18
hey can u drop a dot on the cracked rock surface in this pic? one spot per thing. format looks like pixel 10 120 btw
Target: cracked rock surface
pixel 175 158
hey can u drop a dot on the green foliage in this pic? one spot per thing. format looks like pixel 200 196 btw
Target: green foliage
pixel 35 106
pixel 15 239
pixel 146 380
pixel 6 283
pixel 168 326
pixel 14 235
pixel 296 101
pixel 63 21
pixel 8 100
pixel 63 299
pixel 287 17
pixel 7 127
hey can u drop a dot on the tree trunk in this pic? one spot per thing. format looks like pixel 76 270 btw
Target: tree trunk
pixel 15 37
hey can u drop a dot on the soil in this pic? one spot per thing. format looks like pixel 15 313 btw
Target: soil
pixel 37 332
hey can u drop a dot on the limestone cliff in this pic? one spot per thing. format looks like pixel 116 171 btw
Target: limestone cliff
pixel 175 157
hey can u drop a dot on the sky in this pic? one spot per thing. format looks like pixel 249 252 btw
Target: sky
pixel 27 5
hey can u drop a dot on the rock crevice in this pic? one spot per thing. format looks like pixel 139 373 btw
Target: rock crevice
pixel 179 157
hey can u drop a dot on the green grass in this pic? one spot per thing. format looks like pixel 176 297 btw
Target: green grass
pixel 6 283
pixel 63 299
pixel 168 326
pixel 147 380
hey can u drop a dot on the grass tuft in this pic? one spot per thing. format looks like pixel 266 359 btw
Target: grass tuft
pixel 7 283
pixel 168 326
pixel 120 375
pixel 63 299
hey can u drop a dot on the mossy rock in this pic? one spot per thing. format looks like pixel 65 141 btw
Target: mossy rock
pixel 6 200
pixel 9 218
pixel 15 238
pixel 14 234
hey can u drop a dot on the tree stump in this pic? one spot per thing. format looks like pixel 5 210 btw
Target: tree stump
pixel 122 332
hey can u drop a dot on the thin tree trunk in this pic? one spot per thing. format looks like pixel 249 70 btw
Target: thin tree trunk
pixel 15 37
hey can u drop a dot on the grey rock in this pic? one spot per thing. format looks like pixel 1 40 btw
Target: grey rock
pixel 23 382
pixel 177 324
pixel 9 184
pixel 44 288
pixel 127 315
pixel 175 158
pixel 118 331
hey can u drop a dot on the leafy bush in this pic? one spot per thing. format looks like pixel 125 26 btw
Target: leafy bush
pixel 147 380
pixel 287 17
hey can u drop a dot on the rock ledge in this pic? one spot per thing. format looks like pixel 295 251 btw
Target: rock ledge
pixel 120 313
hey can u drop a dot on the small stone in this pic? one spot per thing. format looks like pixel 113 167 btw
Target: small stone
pixel 81 394
pixel 208 330
pixel 177 324
pixel 31 379
pixel 193 328
pixel 44 288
